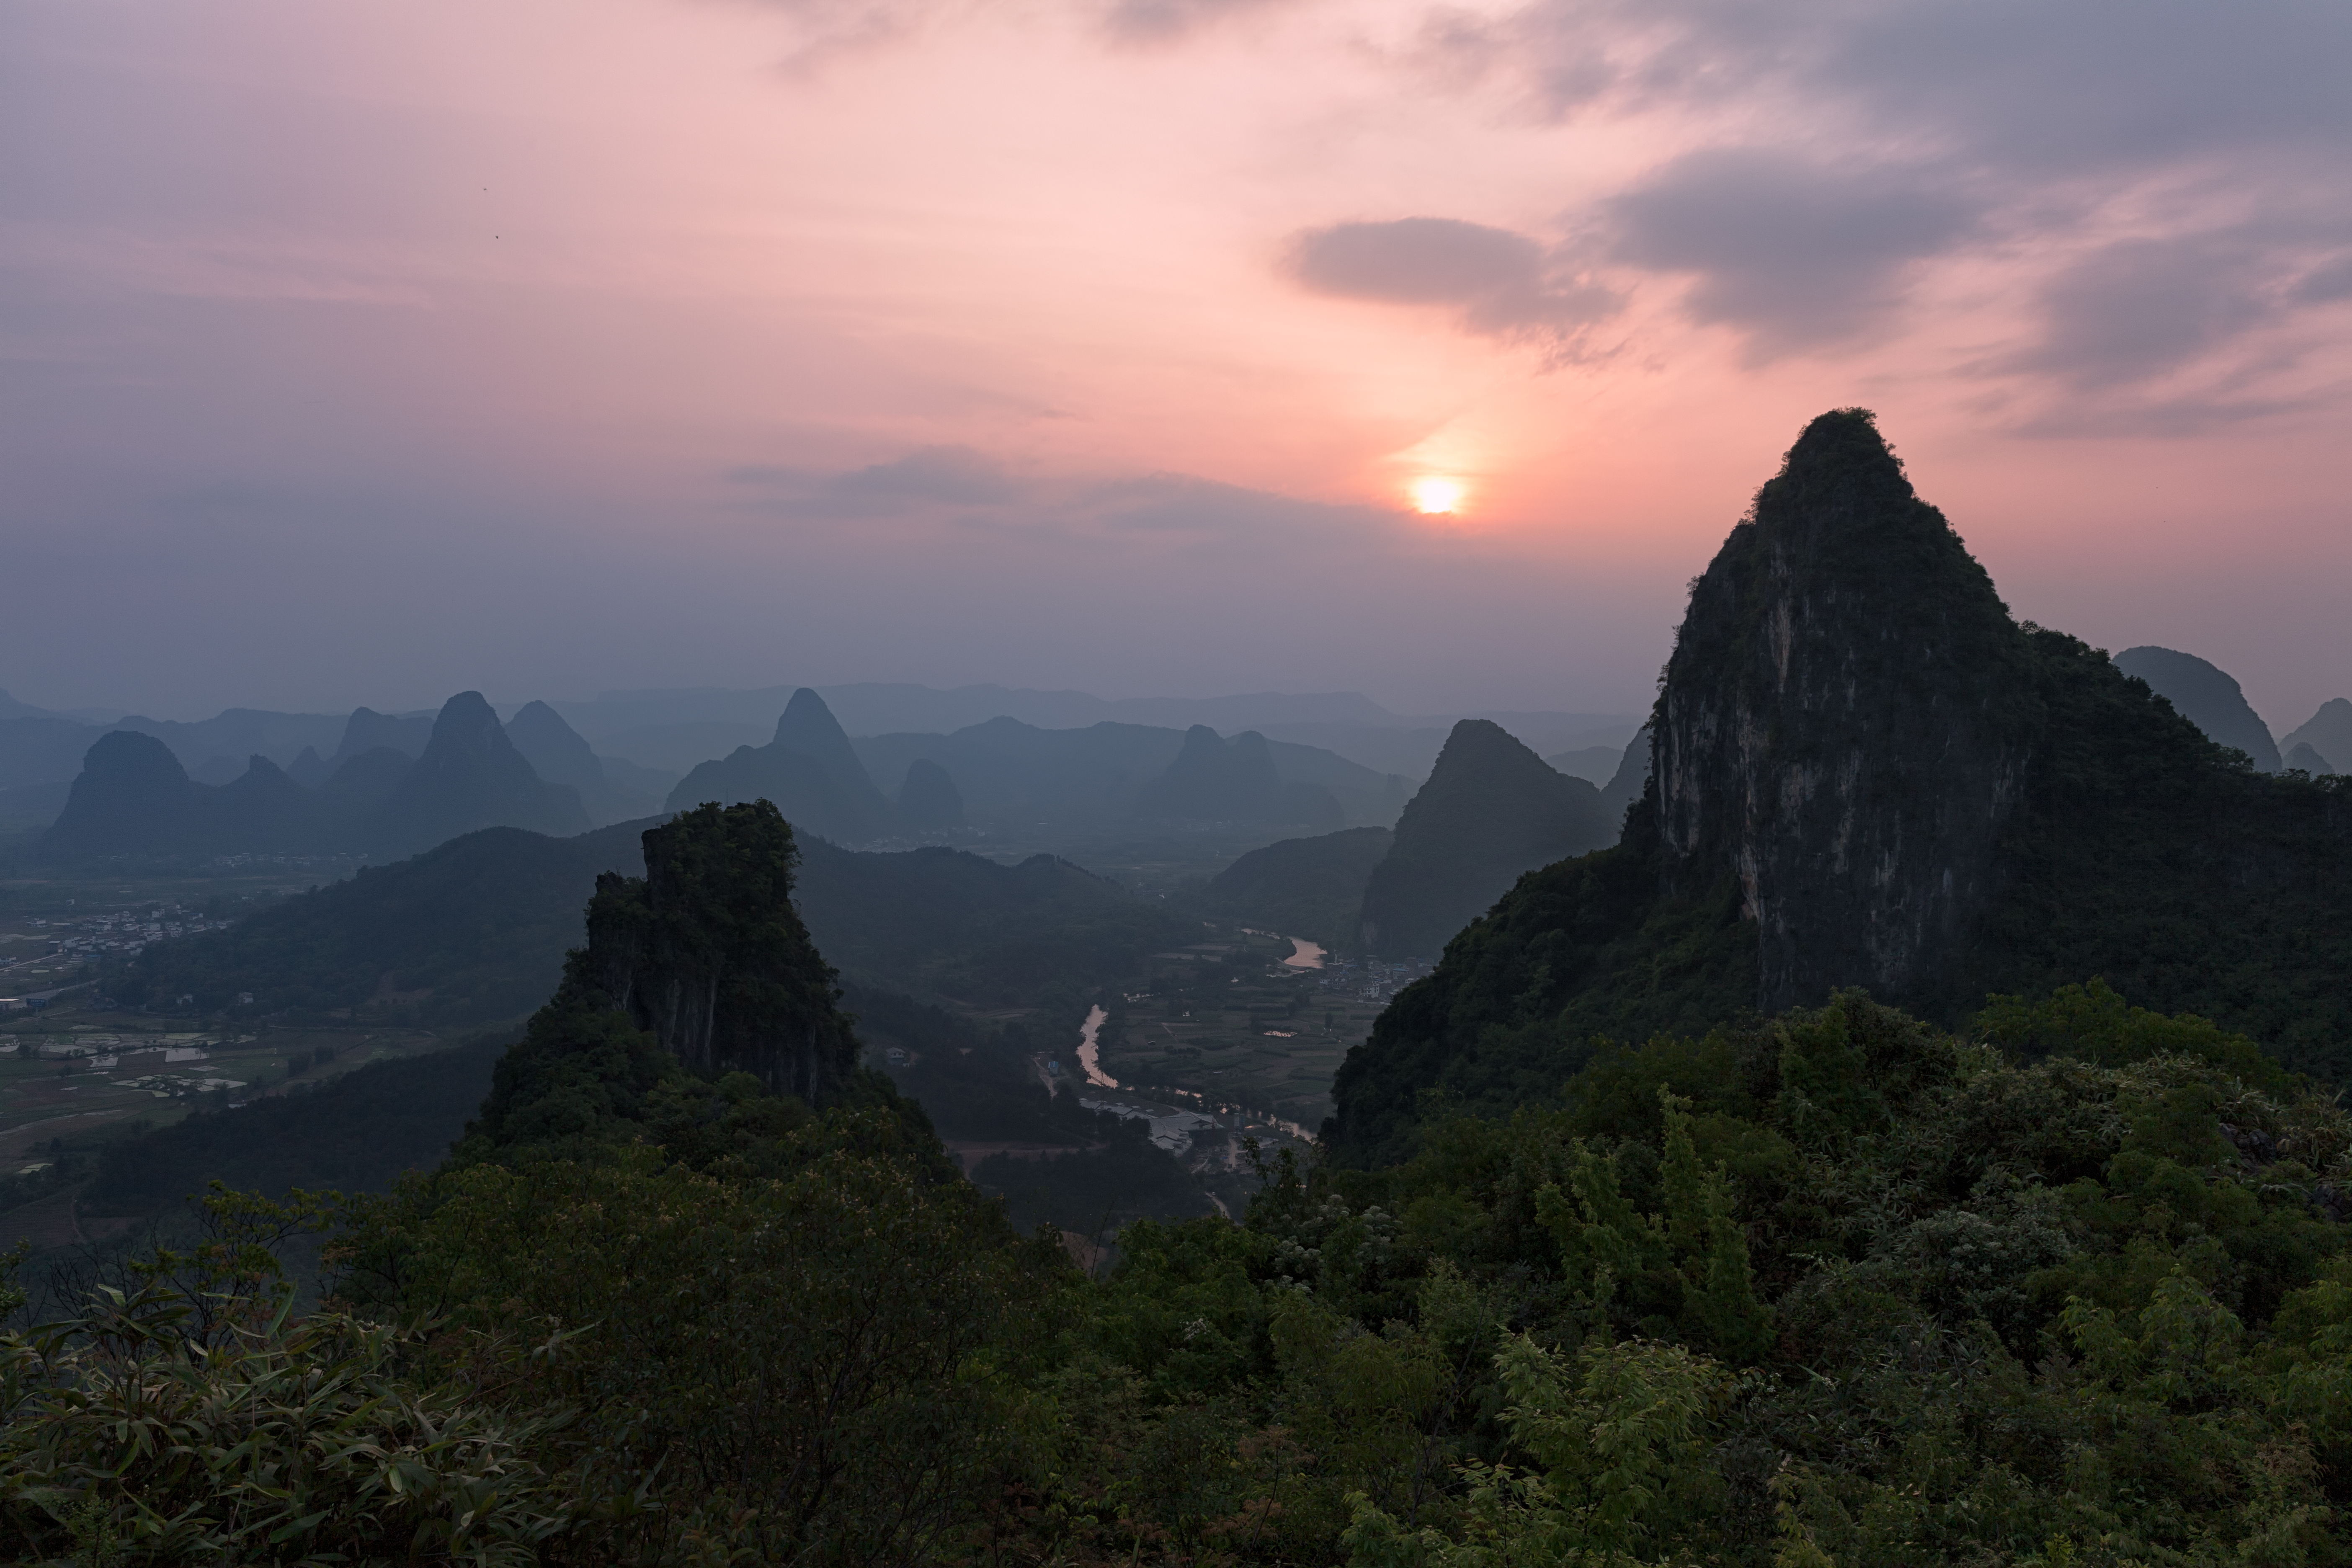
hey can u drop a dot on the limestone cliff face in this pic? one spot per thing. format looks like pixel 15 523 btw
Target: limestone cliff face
pixel 1830 733
pixel 707 954
pixel 1864 773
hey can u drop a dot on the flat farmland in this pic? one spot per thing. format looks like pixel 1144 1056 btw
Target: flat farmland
pixel 1228 1022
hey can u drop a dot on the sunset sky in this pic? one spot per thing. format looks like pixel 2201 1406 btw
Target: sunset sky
pixel 361 352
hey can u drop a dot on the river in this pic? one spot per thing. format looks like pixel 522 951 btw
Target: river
pixel 1090 1052
pixel 1306 956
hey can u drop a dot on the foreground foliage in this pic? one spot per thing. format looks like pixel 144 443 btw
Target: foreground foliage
pixel 1834 1289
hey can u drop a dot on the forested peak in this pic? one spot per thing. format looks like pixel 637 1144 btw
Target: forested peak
pixel 702 965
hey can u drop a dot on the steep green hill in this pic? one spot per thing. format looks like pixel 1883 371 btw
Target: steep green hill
pixel 1869 774
pixel 1491 810
pixel 477 928
pixel 352 1133
pixel 1311 887
pixel 472 931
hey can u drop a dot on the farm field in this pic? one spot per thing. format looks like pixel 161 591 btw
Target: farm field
pixel 1244 1024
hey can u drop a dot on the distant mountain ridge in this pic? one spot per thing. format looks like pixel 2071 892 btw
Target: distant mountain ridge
pixel 475 930
pixel 1211 779
pixel 2328 732
pixel 2208 697
pixel 1005 770
pixel 809 769
pixel 133 797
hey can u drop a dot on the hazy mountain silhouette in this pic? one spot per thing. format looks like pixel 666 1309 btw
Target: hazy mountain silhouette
pixel 41 750
pixel 308 769
pixel 558 755
pixel 2205 695
pixel 1491 811
pixel 132 797
pixel 471 776
pixel 808 727
pixel 1624 787
pixel 1009 772
pixel 364 784
pixel 2328 732
pixel 1596 766
pixel 2304 759
pixel 1868 774
pixel 1311 887
pixel 809 769
pixel 1215 780
pixel 264 810
pixel 366 729
pixel 928 799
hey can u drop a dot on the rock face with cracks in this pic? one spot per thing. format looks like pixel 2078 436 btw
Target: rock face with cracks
pixel 702 964
pixel 1831 727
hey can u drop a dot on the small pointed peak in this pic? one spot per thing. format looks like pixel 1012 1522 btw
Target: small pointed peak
pixel 1840 451
pixel 468 716
pixel 805 719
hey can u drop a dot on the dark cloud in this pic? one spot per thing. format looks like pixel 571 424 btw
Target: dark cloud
pixel 1963 126
pixel 929 475
pixel 2142 308
pixel 2325 284
pixel 957 475
pixel 1165 21
pixel 1208 513
pixel 1797 254
pixel 1499 283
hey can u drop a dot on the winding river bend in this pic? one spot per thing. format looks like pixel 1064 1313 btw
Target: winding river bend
pixel 1090 1050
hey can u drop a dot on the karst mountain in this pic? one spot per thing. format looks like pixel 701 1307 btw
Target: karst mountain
pixel 1866 772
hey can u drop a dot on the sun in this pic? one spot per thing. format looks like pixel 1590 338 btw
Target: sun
pixel 1437 496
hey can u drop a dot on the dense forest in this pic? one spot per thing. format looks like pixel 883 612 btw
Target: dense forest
pixel 1837 1288
pixel 2069 1285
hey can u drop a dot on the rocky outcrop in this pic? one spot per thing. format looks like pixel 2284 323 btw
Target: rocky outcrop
pixel 705 953
pixel 2208 697
pixel 1831 733
pixel 1491 811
